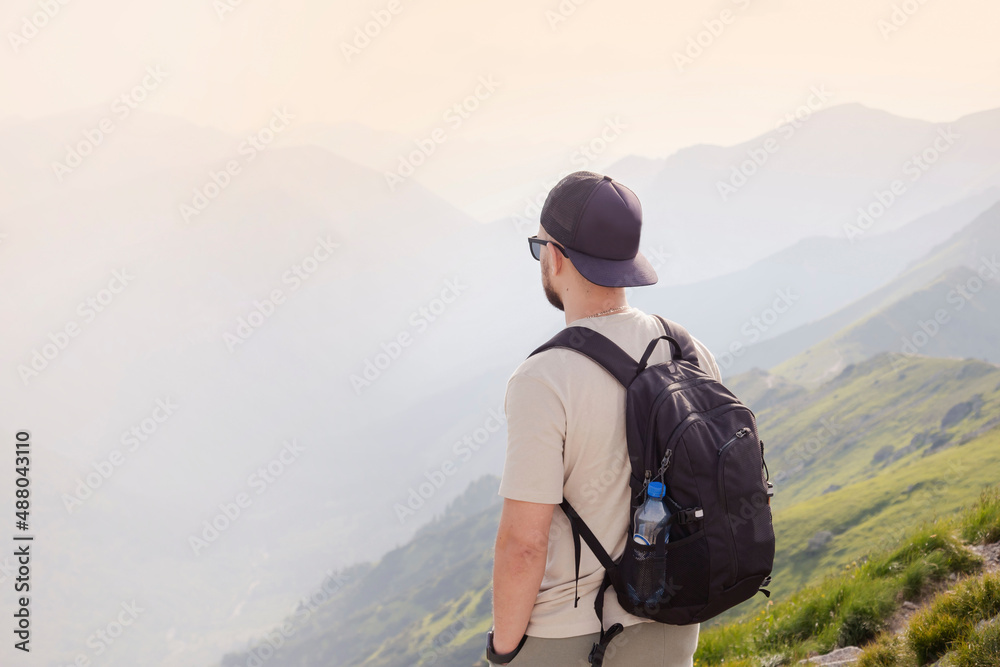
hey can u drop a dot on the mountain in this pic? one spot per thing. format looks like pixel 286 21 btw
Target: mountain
pixel 423 603
pixel 879 321
pixel 805 283
pixel 821 170
pixel 819 173
pixel 488 180
pixel 957 315
pixel 306 311
pixel 376 265
pixel 857 460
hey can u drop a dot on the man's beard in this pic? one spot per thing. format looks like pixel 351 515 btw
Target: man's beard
pixel 550 293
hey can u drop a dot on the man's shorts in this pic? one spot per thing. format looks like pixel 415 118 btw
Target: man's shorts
pixel 645 644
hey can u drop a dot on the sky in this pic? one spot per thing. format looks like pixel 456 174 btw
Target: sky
pixel 560 69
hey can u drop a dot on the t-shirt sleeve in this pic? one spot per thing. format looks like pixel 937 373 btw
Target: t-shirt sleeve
pixel 705 355
pixel 536 434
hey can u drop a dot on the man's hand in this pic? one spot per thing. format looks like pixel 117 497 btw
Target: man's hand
pixel 518 567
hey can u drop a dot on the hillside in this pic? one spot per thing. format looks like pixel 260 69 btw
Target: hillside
pixel 428 601
pixel 956 315
pixel 881 415
pixel 821 275
pixel 425 602
pixel 933 592
pixel 973 247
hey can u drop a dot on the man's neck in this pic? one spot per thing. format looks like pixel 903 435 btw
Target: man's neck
pixel 595 308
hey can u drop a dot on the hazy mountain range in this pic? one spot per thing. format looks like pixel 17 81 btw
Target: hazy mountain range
pixel 406 286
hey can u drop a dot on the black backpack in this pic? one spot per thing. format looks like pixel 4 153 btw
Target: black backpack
pixel 686 429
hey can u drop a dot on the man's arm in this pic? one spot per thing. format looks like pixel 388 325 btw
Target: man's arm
pixel 518 567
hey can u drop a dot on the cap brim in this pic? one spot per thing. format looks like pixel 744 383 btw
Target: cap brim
pixel 635 272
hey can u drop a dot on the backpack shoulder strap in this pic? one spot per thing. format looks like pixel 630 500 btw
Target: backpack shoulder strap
pixel 580 529
pixel 599 348
pixel 688 350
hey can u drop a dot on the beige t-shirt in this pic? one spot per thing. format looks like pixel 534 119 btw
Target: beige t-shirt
pixel 566 436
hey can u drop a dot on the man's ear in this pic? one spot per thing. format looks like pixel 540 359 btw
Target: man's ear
pixel 556 259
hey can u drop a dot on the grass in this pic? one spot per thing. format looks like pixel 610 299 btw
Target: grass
pixel 825 438
pixel 952 617
pixel 982 525
pixel 981 650
pixel 853 607
pixel 877 511
pixel 948 624
pixel 888 650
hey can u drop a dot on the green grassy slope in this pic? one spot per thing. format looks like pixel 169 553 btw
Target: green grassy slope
pixel 860 604
pixel 881 414
pixel 978 240
pixel 877 511
pixel 957 315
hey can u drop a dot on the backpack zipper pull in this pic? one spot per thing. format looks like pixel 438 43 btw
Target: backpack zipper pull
pixel 645 483
pixel 664 465
pixel 742 433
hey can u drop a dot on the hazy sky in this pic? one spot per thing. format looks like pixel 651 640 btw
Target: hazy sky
pixel 556 81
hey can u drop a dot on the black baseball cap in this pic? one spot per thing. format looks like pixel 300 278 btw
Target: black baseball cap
pixel 598 221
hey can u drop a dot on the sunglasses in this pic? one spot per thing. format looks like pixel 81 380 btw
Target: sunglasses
pixel 535 245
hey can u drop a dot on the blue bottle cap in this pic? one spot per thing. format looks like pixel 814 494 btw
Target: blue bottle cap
pixel 656 489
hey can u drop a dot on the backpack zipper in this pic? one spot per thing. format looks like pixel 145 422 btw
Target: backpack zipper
pixel 662 396
pixel 742 433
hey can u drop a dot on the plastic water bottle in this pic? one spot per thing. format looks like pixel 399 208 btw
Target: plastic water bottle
pixel 652 516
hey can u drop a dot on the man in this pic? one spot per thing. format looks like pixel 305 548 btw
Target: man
pixel 566 438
